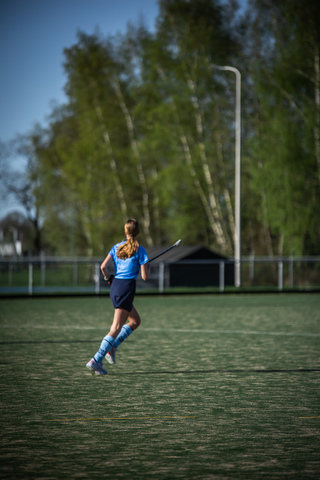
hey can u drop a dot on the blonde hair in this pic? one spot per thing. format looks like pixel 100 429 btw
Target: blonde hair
pixel 129 248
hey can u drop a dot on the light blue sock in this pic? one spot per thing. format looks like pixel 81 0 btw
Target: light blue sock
pixel 105 347
pixel 124 333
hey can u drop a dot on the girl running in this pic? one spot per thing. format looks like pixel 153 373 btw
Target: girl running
pixel 128 257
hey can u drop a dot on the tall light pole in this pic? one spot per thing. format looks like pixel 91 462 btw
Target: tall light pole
pixel 237 230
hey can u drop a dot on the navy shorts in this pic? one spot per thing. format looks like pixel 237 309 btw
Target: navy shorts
pixel 122 293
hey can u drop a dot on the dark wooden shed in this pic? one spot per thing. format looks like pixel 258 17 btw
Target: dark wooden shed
pixel 194 266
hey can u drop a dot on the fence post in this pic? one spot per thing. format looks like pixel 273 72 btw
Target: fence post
pixel 161 277
pixel 221 276
pixel 30 278
pixel 280 276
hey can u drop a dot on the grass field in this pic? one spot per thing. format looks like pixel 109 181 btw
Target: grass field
pixel 209 387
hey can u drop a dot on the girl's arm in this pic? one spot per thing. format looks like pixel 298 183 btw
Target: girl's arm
pixel 145 271
pixel 104 266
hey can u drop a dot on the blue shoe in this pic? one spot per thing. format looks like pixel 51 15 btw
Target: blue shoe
pixel 96 367
pixel 111 356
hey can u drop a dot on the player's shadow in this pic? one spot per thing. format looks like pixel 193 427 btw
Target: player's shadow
pixel 172 372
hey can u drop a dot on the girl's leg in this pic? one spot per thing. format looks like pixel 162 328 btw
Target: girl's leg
pixel 119 319
pixel 126 330
pixel 134 319
pixel 133 323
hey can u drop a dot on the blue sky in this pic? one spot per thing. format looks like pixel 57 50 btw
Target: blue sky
pixel 33 34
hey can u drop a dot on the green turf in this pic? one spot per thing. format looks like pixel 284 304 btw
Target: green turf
pixel 210 387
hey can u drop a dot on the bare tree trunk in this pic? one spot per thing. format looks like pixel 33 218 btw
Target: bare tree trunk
pixel 222 238
pixel 215 226
pixel 187 154
pixel 226 192
pixel 142 180
pixel 85 221
pixel 156 210
pixel 281 244
pixel 227 198
pixel 267 227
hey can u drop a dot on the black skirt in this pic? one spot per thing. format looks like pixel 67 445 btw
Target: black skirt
pixel 122 293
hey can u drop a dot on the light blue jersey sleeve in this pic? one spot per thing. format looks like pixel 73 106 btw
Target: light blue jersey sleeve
pixel 128 268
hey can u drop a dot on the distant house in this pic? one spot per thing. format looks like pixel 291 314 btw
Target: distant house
pixel 192 266
pixel 8 249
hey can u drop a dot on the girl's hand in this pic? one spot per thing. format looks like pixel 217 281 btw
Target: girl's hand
pixel 110 279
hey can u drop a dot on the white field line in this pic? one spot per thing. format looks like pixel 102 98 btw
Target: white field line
pixel 239 332
pixel 122 418
pixel 55 327
pixel 165 330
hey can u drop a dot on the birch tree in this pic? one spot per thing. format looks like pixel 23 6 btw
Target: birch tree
pixel 194 37
pixel 285 153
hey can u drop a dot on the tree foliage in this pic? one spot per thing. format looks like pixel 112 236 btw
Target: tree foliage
pixel 284 148
pixel 148 132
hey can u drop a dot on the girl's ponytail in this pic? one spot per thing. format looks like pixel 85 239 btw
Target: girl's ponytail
pixel 129 248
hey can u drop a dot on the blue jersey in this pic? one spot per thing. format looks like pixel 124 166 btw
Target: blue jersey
pixel 128 268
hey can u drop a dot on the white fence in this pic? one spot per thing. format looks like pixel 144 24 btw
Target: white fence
pixel 82 275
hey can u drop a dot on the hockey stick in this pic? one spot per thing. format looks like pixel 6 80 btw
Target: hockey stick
pixel 165 251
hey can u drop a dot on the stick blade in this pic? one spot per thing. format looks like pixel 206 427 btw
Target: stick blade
pixel 177 243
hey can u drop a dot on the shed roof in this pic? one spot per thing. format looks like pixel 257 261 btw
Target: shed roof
pixel 183 252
